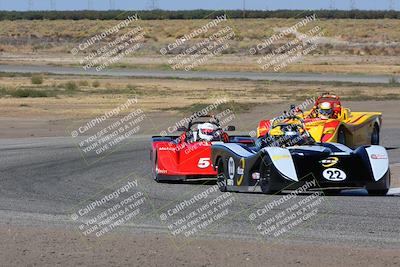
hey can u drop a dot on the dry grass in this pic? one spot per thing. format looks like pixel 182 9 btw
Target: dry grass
pixel 373 45
pixel 157 95
pixel 168 30
pixel 62 35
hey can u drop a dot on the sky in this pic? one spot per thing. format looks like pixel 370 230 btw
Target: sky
pixel 195 4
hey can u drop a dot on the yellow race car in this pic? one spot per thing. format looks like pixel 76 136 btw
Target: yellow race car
pixel 342 126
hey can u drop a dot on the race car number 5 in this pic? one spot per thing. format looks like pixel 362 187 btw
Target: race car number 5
pixel 334 174
pixel 203 163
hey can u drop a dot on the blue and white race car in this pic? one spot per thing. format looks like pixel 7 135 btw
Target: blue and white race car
pixel 287 157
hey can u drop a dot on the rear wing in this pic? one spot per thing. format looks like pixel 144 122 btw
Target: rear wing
pixel 159 138
pixel 242 139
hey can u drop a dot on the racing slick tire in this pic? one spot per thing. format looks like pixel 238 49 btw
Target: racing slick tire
pixel 265 176
pixel 221 178
pixel 375 138
pixel 341 139
pixel 381 187
pixel 153 170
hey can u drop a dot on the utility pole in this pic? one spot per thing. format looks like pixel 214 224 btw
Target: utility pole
pixel 112 4
pixel 392 5
pixel 153 4
pixel 244 8
pixel 30 5
pixel 89 4
pixel 52 4
pixel 332 5
pixel 352 4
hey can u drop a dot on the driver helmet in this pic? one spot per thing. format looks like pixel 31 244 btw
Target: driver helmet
pixel 206 131
pixel 291 136
pixel 289 131
pixel 325 110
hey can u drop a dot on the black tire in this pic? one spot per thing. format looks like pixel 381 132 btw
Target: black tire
pixel 153 170
pixel 265 176
pixel 341 139
pixel 221 178
pixel 380 188
pixel 375 138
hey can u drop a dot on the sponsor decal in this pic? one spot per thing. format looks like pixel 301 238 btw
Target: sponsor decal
pixel 231 168
pixel 161 171
pixel 240 171
pixel 378 156
pixel 280 157
pixel 329 162
pixel 333 174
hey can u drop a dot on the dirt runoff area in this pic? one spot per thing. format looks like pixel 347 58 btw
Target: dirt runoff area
pixel 55 247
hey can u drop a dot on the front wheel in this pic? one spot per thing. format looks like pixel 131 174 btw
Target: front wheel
pixel 375 135
pixel 265 177
pixel 154 169
pixel 381 187
pixel 341 136
pixel 221 178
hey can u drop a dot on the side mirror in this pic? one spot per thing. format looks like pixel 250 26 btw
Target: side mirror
pixel 181 129
pixel 230 128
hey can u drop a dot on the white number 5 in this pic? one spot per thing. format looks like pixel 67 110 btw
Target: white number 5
pixel 203 163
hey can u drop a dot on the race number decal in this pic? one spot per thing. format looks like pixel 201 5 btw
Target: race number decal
pixel 203 163
pixel 231 168
pixel 333 174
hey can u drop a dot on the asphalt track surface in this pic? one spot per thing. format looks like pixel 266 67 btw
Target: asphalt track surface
pixel 304 77
pixel 45 180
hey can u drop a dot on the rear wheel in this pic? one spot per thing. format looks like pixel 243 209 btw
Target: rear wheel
pixel 381 187
pixel 341 136
pixel 221 178
pixel 375 135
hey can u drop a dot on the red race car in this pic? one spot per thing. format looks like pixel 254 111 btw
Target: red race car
pixel 188 156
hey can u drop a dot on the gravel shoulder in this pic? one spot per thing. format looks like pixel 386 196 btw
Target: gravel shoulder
pixel 41 246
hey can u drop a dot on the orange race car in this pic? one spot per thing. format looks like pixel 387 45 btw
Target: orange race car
pixel 328 121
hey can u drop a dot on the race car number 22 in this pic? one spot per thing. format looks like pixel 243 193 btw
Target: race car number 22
pixel 334 174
